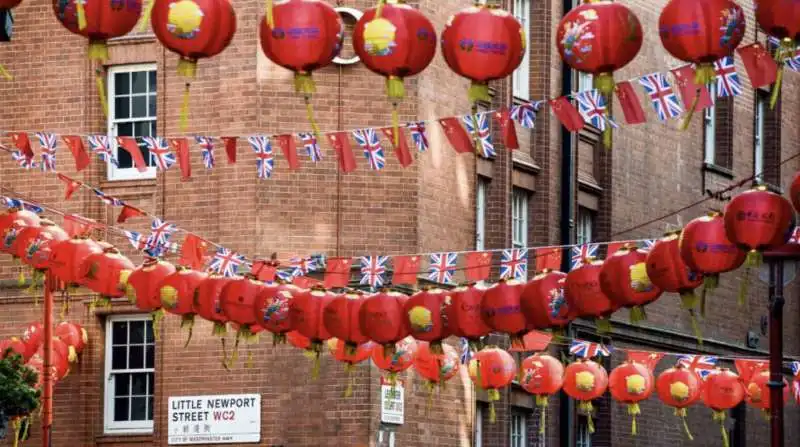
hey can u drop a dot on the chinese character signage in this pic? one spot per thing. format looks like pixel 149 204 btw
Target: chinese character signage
pixel 222 419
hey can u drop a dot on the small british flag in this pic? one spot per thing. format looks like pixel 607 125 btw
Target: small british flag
pixel 264 159
pixel 48 144
pixel 647 245
pixel 301 266
pixel 207 147
pixel 135 238
pixel 418 135
pixel 160 152
pixel 582 252
pixel 514 264
pixel 108 200
pixel 22 205
pixel 101 145
pixel 311 146
pixel 588 350
pixel 23 161
pixel 484 133
pixel 592 107
pixel 704 365
pixel 795 369
pixel 661 94
pixel 161 232
pixel 226 262
pixel 373 270
pixel 369 141
pixel 443 267
pixel 728 83
pixel 526 113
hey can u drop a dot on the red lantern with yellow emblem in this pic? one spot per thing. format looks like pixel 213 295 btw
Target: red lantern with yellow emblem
pixel 502 312
pixel 542 376
pixel 207 302
pixel 106 273
pixel 67 258
pixel 382 319
pixel 631 383
pixel 350 358
pixel 425 316
pixel 722 391
pixel 305 313
pixel 757 392
pixel 341 319
pixel 12 222
pixel 143 289
pixel 15 345
pixel 679 387
pixel 398 361
pixel 585 380
pixel 543 302
pixel 492 369
pixel 781 20
pixel 464 314
pixel 272 310
pixel 435 368
pixel 624 280
pixel 74 335
pixel 178 291
pixel 585 298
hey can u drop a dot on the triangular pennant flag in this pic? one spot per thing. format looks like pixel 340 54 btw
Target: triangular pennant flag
pixel 76 225
pixel 567 114
pixel 130 146
pixel 289 149
pixel 401 150
pixel 23 143
pixel 70 185
pixel 340 141
pixel 588 350
pixel 193 252
pixel 548 259
pixel 631 107
pixel 181 147
pixel 479 265
pixel 75 145
pixel 747 368
pixel 533 341
pixel 760 66
pixel 648 359
pixel 406 269
pixel 728 83
pixel 337 272
pixel 507 128
pixel 684 77
pixel 129 212
pixel 230 148
pixel 458 137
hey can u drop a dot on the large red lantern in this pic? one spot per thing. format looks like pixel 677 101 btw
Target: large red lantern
pixel 757 392
pixel 106 273
pixel 67 257
pixel 143 289
pixel 492 369
pixel 624 280
pixel 207 302
pixel 12 222
pixel 502 312
pixel 425 314
pixel 398 361
pixel 32 337
pixel 350 358
pixel 757 220
pixel 305 313
pixel 585 380
pixel 31 240
pixel 794 192
pixel 679 387
pixel 435 368
pixel 722 391
pixel 400 42
pixel 542 376
pixel 272 310
pixel 178 291
pixel 15 345
pixel 302 36
pixel 781 20
pixel 631 383
pixel 543 302
pixel 341 319
pixel 238 302
pixel 464 314
pixel 482 44
pixel 193 29
pixel 74 335
pixel 585 297
pixel 382 319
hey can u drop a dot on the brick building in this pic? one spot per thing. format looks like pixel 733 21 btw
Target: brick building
pixel 558 188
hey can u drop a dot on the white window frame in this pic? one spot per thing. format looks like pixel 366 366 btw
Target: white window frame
pixel 584 232
pixel 109 425
pixel 477 432
pixel 519 217
pixel 521 78
pixel 710 128
pixel 119 174
pixel 480 213
pixel 585 81
pixel 758 137
pixel 518 431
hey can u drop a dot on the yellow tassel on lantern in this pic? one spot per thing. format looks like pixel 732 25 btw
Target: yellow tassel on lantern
pixel 494 396
pixel 603 325
pixel 634 410
pixel 184 117
pixel 753 260
pixel 4 73
pixel 604 83
pixel 187 321
pixel 719 416
pixel 638 314
pixel 157 317
pixel 689 302
pixel 317 349
pixel 268 14
pixel 682 413
pixel 81 14
pixel 785 50
pixel 148 11
pixel 21 279
pixel 587 409
pixel 542 404
pixel 349 368
pixel 72 357
pixel 379 8
pixel 704 75
pixel 396 91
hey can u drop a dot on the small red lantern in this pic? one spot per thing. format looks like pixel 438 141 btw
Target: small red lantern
pixel 341 319
pixel 75 336
pixel 398 361
pixel 482 44
pixel 106 273
pixel 12 222
pixel 631 383
pixel 543 302
pixel 435 368
pixel 781 20
pixel 542 376
pixel 60 358
pixel 722 391
pixel 238 303
pixel 492 369
pixel 382 319
pixel 32 337
pixel 207 302
pixel 624 279
pixel 143 289
pixel 350 358
pixel 757 392
pixel 464 314
pixel 757 220
pixel 305 313
pixel 585 380
pixel 679 388
pixel 194 29
pixel 502 312
pixel 585 297
pixel 67 257
pixel 401 42
pixel 30 240
pixel 272 310
pixel 302 36
pixel 794 192
pixel 425 316
pixel 298 340
pixel 15 345
pixel 178 291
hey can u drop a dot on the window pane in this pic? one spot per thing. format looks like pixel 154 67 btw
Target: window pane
pixel 150 359
pixel 151 106
pixel 137 331
pixel 149 326
pixel 119 357
pixel 139 106
pixel 122 385
pixel 149 408
pixel 139 81
pixel 125 129
pixel 150 383
pixel 122 107
pixel 138 408
pixel 139 384
pixel 136 357
pixel 121 409
pixel 143 129
pixel 153 83
pixel 119 333
pixel 122 84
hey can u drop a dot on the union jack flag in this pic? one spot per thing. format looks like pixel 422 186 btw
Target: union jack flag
pixel 466 351
pixel 795 369
pixel 587 350
pixel 647 245
pixel 207 148
pixel 22 205
pixel 48 144
pixel 526 113
pixel 663 97
pixel 418 135
pixel 369 141
pixel 592 107
pixel 795 238
pixel 285 275
pixel 301 266
pixel 159 151
pixel 135 238
pixel 791 60
pixel 702 364
pixel 101 145
pixel 108 200
pixel 23 160
pixel 264 161
pixel 581 252
pixel 312 146
pixel 226 262
pixel 484 133
pixel 443 267
pixel 514 264
pixel 161 232
pixel 728 83
pixel 373 270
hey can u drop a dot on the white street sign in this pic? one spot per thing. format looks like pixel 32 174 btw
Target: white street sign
pixel 221 419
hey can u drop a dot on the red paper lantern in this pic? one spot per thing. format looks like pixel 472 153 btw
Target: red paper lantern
pixel 302 36
pixel 425 316
pixel 350 357
pixel 341 319
pixel 12 222
pixel 143 289
pixel 106 273
pixel 30 239
pixel 464 314
pixel 36 363
pixel 67 257
pixel 585 380
pixel 382 319
pixel 305 313
pixel 398 361
pixel 757 392
pixel 794 192
pixel 757 220
pixel 178 291
pixel 585 297
pixel 207 302
pixel 74 335
pixel 98 21
pixel 272 310
pixel 60 358
pixel 722 391
pixel 238 300
pixel 32 337
pixel 542 375
pixel 631 383
pixel 623 278
pixel 483 44
pixel 781 20
pixel 435 368
pixel 298 340
pixel 492 369
pixel 543 302
pixel 679 388
pixel 15 345
pixel 502 312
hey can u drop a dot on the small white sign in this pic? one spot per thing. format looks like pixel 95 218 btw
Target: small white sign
pixel 392 402
pixel 221 419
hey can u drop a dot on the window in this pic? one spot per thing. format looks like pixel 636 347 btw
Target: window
pixel 519 428
pixel 131 113
pixel 519 218
pixel 758 136
pixel 583 438
pixel 521 77
pixel 129 374
pixel 477 440
pixel 585 81
pixel 710 128
pixel 585 228
pixel 480 213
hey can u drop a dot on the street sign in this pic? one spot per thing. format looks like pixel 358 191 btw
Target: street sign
pixel 221 419
pixel 392 402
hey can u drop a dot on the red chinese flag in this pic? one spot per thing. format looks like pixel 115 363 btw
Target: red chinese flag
pixel 747 368
pixel 289 149
pixel 306 282
pixel 264 270
pixel 337 272
pixel 344 152
pixel 567 114
pixel 760 66
pixel 130 146
pixel 401 148
pixel 631 107
pixel 193 252
pixel 75 145
pixel 77 225
pixel 507 128
pixel 548 259
pixel 406 269
pixel 613 248
pixel 70 186
pixel 457 135
pixel 479 264
pixel 129 212
pixel 648 359
pixel 684 76
pixel 22 142
pixel 230 148
pixel 181 148
pixel 533 341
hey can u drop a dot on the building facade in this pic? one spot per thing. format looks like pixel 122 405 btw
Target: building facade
pixel 558 188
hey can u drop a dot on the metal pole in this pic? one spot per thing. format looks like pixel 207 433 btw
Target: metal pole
pixel 47 382
pixel 776 351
